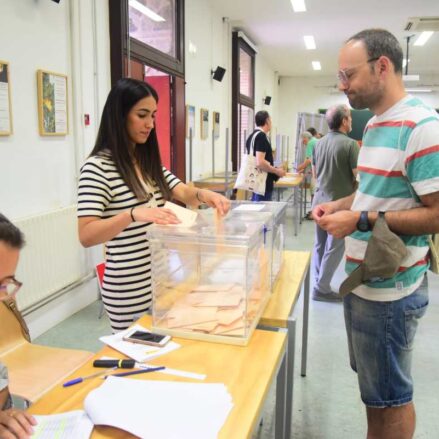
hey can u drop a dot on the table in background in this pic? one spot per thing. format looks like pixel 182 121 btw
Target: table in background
pixel 279 314
pixel 293 182
pixel 247 372
pixel 218 183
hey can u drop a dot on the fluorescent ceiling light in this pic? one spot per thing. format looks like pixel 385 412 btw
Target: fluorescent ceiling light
pixel 310 44
pixel 298 5
pixel 419 90
pixel 145 11
pixel 316 65
pixel 409 78
pixel 423 38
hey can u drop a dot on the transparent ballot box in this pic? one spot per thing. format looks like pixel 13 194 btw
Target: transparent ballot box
pixel 210 281
pixel 275 236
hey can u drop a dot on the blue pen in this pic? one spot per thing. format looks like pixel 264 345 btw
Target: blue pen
pixel 81 379
pixel 135 372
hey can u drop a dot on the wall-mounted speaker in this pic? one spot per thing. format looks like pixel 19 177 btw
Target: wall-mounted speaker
pixel 218 73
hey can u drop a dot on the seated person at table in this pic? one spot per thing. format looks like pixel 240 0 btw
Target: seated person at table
pixel 13 423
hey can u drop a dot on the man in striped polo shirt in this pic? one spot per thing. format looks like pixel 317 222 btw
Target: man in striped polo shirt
pixel 398 169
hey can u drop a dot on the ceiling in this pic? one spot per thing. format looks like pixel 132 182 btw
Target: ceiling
pixel 278 31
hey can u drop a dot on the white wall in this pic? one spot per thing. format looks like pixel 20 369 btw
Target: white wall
pixel 39 174
pixel 308 94
pixel 212 37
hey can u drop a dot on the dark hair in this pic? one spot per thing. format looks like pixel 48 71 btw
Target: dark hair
pixel 261 118
pixel 335 115
pixel 312 130
pixel 380 42
pixel 113 136
pixel 10 234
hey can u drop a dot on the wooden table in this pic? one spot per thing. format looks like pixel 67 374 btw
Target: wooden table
pixel 216 184
pixel 247 373
pixel 279 314
pixel 293 181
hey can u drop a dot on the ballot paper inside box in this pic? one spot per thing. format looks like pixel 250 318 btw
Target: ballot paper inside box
pixel 210 281
pixel 273 213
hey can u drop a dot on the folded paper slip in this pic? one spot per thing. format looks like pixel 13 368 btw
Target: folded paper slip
pixel 384 254
pixel 186 216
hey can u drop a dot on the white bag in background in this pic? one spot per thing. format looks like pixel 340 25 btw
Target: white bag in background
pixel 250 178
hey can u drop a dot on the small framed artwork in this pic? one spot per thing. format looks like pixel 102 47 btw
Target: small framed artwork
pixel 52 103
pixel 5 100
pixel 216 124
pixel 204 128
pixel 190 120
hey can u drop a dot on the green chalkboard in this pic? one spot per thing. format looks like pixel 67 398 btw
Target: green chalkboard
pixel 359 121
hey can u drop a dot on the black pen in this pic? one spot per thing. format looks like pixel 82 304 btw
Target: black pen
pixel 135 372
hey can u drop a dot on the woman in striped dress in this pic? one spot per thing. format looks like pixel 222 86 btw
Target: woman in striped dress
pixel 122 189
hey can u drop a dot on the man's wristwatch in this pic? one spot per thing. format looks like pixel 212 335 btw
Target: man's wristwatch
pixel 363 224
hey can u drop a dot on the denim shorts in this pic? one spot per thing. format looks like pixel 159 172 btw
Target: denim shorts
pixel 380 341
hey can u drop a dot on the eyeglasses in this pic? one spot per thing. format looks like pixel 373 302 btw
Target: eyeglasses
pixel 344 76
pixel 10 286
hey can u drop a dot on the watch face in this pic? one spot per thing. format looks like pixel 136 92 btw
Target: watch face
pixel 362 227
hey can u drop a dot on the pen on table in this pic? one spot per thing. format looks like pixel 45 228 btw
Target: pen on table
pixel 135 372
pixel 121 364
pixel 81 379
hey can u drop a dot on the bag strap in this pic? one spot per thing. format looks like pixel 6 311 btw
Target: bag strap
pixel 252 142
pixel 12 306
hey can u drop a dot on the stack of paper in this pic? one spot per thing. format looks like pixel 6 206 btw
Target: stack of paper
pixel 136 351
pixel 69 425
pixel 160 409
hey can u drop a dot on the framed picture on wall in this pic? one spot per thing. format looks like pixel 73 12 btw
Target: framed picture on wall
pixel 5 100
pixel 216 124
pixel 190 120
pixel 52 103
pixel 204 128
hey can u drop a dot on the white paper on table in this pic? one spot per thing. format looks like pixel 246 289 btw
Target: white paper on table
pixel 136 351
pixel 160 409
pixel 186 216
pixel 250 207
pixel 166 370
pixel 69 425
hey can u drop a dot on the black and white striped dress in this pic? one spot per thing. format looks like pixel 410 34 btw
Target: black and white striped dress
pixel 102 193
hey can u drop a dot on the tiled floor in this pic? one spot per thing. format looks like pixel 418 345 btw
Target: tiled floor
pixel 326 403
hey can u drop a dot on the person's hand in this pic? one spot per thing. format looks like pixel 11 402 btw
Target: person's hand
pixel 281 172
pixel 16 424
pixel 323 209
pixel 301 168
pixel 338 224
pixel 157 215
pixel 215 200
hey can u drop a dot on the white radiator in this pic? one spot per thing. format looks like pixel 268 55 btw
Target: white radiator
pixel 52 258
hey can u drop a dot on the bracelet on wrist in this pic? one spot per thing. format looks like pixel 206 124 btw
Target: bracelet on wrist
pixel 132 214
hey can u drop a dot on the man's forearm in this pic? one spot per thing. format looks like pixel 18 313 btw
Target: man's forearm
pixel 265 166
pixel 418 221
pixel 344 203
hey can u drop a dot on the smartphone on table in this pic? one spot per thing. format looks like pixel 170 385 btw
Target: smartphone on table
pixel 149 338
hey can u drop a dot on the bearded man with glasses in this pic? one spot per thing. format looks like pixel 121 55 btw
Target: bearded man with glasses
pixel 14 423
pixel 398 172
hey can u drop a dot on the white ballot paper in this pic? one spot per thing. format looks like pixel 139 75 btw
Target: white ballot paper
pixel 186 216
pixel 160 409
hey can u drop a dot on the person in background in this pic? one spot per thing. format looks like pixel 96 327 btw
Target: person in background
pixel 398 170
pixel 309 139
pixel 14 423
pixel 264 154
pixel 122 190
pixel 335 169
